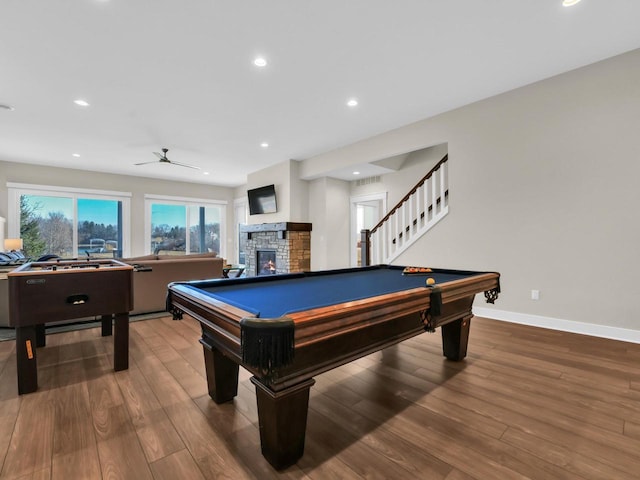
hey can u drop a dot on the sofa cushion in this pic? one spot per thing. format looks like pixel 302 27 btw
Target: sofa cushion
pixel 186 257
pixel 141 258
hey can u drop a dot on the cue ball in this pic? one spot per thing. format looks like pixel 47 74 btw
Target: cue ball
pixel 430 281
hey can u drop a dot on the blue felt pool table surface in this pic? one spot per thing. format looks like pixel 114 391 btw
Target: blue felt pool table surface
pixel 277 296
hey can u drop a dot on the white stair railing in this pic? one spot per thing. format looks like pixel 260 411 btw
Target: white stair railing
pixel 424 206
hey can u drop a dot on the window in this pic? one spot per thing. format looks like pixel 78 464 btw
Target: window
pixel 69 222
pixel 179 226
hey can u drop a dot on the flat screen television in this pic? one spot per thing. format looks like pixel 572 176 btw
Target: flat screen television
pixel 262 200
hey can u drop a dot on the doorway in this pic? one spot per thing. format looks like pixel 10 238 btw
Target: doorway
pixel 366 212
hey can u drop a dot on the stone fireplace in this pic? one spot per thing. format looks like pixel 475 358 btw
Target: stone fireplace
pixel 277 248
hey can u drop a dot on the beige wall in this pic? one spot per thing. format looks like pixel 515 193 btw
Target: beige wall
pixel 138 186
pixel 291 192
pixel 317 216
pixel 330 222
pixel 543 184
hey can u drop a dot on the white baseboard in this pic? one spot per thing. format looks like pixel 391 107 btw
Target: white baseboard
pixel 603 331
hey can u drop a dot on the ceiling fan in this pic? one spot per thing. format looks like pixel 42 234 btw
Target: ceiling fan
pixel 163 159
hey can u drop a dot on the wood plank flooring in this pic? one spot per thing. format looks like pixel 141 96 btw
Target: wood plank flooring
pixel 526 403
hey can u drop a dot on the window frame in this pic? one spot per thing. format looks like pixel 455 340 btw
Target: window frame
pixel 16 190
pixel 150 199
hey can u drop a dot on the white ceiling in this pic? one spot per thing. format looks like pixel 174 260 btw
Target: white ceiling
pixel 179 74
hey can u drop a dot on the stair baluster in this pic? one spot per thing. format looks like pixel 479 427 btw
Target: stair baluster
pixel 424 206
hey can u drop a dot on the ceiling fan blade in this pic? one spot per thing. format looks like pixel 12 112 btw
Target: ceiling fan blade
pixel 146 163
pixel 184 165
pixel 159 155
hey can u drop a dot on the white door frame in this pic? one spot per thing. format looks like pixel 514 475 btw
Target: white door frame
pixel 239 216
pixel 354 236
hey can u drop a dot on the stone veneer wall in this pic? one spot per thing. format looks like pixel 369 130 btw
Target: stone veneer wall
pixel 293 250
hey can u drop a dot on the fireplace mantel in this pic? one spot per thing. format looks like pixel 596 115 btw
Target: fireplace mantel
pixel 275 227
pixel 290 241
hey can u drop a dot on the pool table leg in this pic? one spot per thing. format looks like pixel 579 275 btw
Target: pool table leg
pixel 282 417
pixel 455 336
pixel 222 374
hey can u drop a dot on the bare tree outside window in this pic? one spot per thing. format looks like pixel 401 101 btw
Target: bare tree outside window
pixel 57 232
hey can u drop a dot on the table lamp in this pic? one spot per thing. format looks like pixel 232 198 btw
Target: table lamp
pixel 12 244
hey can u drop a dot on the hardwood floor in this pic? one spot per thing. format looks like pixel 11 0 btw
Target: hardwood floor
pixel 526 403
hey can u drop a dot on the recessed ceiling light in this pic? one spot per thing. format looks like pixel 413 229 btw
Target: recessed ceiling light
pixel 81 103
pixel 260 62
pixel 205 173
pixel 7 107
pixel 356 173
pixel 264 145
pixel 352 102
pixel 77 155
pixel 569 3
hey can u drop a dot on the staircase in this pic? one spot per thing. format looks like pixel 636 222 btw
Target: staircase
pixel 425 205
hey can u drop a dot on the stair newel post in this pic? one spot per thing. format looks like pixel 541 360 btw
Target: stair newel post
pixel 365 247
pixel 391 232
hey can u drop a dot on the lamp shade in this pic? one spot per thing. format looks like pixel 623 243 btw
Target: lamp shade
pixel 12 244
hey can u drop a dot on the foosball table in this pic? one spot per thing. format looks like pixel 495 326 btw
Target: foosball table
pixel 44 292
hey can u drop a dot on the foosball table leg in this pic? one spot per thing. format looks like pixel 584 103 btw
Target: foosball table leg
pixel 26 359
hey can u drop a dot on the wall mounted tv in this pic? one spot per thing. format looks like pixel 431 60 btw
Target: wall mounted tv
pixel 262 200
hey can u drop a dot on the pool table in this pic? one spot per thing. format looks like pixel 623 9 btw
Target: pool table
pixel 286 329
